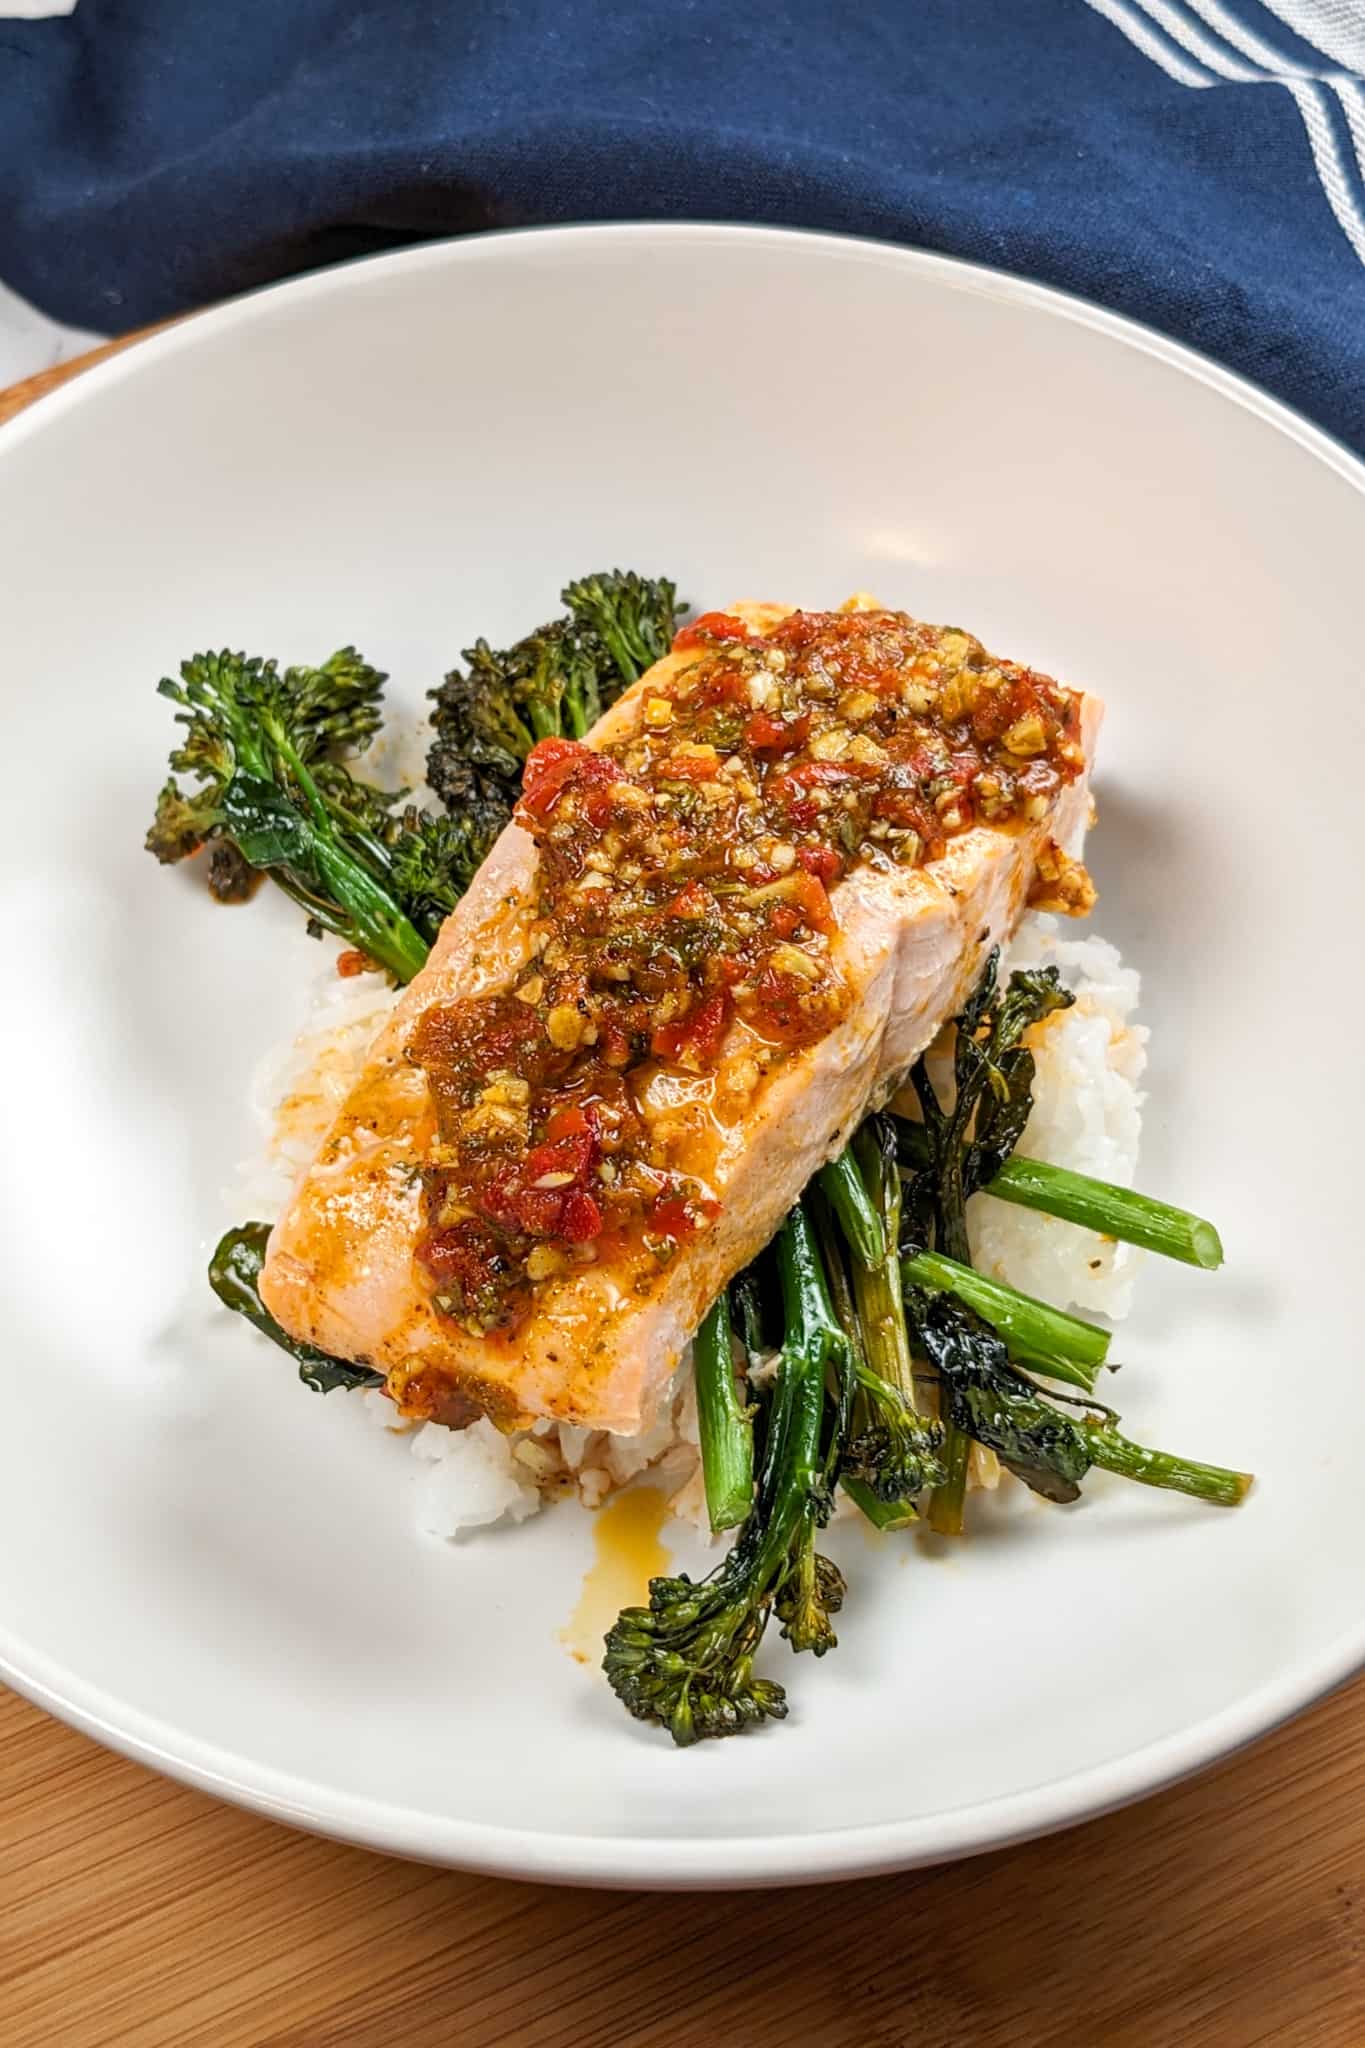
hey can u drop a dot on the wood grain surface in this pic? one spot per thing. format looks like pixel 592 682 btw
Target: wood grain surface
pixel 17 396
pixel 1226 1913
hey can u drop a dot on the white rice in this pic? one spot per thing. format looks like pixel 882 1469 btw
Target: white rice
pixel 1086 1115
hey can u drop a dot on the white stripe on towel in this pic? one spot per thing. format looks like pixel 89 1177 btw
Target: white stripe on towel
pixel 1214 62
pixel 1336 27
pixel 1151 45
pixel 1280 68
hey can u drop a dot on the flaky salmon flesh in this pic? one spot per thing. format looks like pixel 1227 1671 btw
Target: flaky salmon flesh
pixel 601 1340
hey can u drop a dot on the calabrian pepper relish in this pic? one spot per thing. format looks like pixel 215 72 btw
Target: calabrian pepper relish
pixel 684 883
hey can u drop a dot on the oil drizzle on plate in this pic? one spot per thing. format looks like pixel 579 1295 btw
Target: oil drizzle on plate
pixel 627 1554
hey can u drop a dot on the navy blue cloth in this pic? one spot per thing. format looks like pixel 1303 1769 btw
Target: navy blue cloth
pixel 159 154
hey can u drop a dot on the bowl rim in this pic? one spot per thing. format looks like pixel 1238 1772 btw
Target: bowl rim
pixel 671 1862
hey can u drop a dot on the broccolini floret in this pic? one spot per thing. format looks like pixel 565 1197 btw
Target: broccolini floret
pixel 630 617
pixel 686 1661
pixel 894 1451
pixel 556 681
pixel 433 857
pixel 268 751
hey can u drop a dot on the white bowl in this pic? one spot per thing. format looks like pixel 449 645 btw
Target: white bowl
pixel 218 1572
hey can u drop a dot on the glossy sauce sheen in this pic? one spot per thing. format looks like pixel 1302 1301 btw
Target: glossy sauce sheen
pixel 711 938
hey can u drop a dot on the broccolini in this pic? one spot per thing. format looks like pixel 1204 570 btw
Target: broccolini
pixel 686 1660
pixel 557 680
pixel 264 753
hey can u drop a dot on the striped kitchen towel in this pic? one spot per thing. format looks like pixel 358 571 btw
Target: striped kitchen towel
pixel 1198 163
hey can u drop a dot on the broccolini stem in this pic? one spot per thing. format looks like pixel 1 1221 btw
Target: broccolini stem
pixel 747 1302
pixel 313 864
pixel 397 946
pixel 845 1190
pixel 1052 1342
pixel 1214 1483
pixel 886 1515
pixel 820 1215
pixel 792 1477
pixel 370 918
pixel 377 927
pixel 1041 1366
pixel 1112 1211
pixel 946 1502
pixel 1095 1204
pixel 808 1315
pixel 816 1348
pixel 883 1514
pixel 877 1284
pixel 725 1425
pixel 546 722
pixel 686 1660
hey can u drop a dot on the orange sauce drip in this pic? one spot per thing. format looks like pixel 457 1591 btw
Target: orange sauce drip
pixel 627 1554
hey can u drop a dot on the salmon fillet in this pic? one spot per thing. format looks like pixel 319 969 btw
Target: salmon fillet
pixel 603 1339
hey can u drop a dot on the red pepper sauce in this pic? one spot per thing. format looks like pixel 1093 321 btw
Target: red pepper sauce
pixel 684 882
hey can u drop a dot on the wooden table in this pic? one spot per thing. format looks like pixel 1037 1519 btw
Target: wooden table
pixel 135 1914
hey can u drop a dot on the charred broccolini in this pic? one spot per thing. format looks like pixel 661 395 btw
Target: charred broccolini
pixel 891 1452
pixel 556 681
pixel 968 1141
pixel 686 1660
pixel 264 781
pixel 991 1401
pixel 267 789
pixel 235 1277
pixel 993 1072
pixel 872 1276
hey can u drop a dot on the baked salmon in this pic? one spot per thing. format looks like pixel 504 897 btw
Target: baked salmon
pixel 714 936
